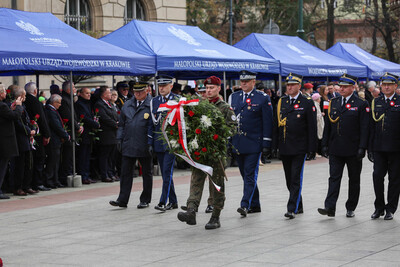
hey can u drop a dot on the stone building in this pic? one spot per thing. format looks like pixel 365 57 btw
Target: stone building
pixel 97 18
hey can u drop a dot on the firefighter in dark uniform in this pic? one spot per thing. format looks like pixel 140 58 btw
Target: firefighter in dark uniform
pixel 385 144
pixel 133 127
pixel 345 141
pixel 296 131
pixel 166 160
pixel 253 111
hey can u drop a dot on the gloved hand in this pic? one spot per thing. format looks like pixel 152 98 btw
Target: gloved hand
pixel 370 156
pixel 119 146
pixel 324 152
pixel 150 150
pixel 360 153
pixel 310 155
pixel 266 151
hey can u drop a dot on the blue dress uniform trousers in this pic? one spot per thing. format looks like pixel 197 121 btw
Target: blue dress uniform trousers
pixel 248 166
pixel 126 179
pixel 166 161
pixel 386 162
pixel 336 166
pixel 293 166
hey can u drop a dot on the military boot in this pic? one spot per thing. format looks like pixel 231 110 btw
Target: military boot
pixel 213 223
pixel 189 216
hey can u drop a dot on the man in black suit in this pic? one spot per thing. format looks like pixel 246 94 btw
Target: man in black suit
pixel 8 141
pixel 58 135
pixel 385 145
pixel 345 140
pixel 86 117
pixel 135 122
pixel 296 133
pixel 108 119
pixel 36 113
pixel 66 114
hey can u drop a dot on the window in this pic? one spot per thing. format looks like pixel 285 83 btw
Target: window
pixel 133 10
pixel 77 15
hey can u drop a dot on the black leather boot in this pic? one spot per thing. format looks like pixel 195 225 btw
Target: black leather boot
pixel 213 223
pixel 189 216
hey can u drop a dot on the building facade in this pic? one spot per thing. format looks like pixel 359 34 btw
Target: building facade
pixel 97 18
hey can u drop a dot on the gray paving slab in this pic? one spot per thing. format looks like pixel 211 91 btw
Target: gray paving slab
pixel 89 232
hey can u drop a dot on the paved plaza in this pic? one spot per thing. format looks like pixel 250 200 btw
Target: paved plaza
pixel 77 227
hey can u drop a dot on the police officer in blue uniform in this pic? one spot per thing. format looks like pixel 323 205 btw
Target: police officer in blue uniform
pixel 345 141
pixel 385 144
pixel 296 130
pixel 165 159
pixel 253 111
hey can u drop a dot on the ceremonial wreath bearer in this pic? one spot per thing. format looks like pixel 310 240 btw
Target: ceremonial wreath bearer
pixel 254 115
pixel 296 129
pixel 345 141
pixel 165 158
pixel 227 122
pixel 385 145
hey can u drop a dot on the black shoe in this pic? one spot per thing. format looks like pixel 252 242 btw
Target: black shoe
pixel 377 214
pixel 290 215
pixel 213 223
pixel 118 204
pixel 43 188
pixel 189 216
pixel 51 186
pixel 2 196
pixel 107 180
pixel 254 210
pixel 350 214
pixel 300 211
pixel 160 207
pixel 325 211
pixel 209 209
pixel 171 206
pixel 243 211
pixel 60 185
pixel 388 216
pixel 142 205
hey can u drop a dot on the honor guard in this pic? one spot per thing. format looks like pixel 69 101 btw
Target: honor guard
pixel 385 145
pixel 165 159
pixel 213 86
pixel 345 140
pixel 253 111
pixel 132 138
pixel 296 128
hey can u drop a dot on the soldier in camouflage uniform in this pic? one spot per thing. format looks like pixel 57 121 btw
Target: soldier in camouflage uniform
pixel 213 86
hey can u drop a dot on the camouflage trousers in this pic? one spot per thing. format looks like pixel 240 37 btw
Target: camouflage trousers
pixel 197 184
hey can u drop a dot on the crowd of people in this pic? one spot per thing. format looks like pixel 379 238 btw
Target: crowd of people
pixel 117 134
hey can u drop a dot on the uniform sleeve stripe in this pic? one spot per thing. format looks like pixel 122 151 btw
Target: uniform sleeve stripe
pixel 267 139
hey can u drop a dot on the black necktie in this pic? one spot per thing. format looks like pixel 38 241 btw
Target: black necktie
pixel 292 101
pixel 139 103
pixel 388 101
pixel 165 99
pixel 344 103
pixel 245 97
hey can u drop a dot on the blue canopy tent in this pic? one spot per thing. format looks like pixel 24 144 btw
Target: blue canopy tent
pixel 186 52
pixel 376 66
pixel 298 56
pixel 39 43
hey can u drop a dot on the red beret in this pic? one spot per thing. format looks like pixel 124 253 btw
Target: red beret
pixel 213 80
pixel 308 86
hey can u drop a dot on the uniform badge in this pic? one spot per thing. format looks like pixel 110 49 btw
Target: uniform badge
pixel 348 106
pixel 233 117
pixel 391 103
pixel 296 106
pixel 146 116
pixel 367 109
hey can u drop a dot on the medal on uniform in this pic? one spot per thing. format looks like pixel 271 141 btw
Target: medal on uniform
pixel 348 106
pixel 248 101
pixel 392 103
pixel 146 116
pixel 296 106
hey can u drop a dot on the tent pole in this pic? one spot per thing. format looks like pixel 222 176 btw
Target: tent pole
pixel 112 83
pixel 37 85
pixel 155 84
pixel 225 87
pixel 72 125
pixel 280 85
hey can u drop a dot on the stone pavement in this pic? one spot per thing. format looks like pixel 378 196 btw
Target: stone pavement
pixel 77 227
